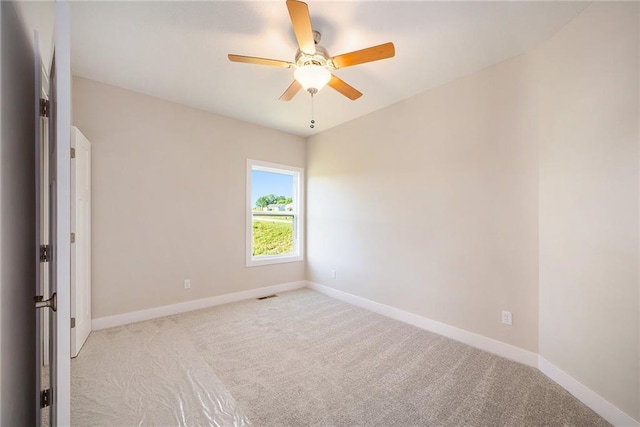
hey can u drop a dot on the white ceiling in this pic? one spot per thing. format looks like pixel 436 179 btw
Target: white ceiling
pixel 178 50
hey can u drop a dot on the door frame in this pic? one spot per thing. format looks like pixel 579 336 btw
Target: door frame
pixel 42 211
pixel 42 162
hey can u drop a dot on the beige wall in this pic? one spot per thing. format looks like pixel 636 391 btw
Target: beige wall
pixel 169 199
pixel 430 206
pixel 441 205
pixel 587 83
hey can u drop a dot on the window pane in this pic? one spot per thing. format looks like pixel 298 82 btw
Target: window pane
pixel 272 236
pixel 272 213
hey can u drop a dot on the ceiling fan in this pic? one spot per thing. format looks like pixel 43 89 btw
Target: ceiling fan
pixel 313 66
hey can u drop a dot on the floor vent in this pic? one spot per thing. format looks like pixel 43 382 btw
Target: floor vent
pixel 268 296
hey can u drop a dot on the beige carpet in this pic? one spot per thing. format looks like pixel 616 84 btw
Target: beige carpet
pixel 304 359
pixel 147 374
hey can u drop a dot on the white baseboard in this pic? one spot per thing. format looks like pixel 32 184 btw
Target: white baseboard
pixel 587 396
pixel 475 340
pixel 168 310
pixel 601 406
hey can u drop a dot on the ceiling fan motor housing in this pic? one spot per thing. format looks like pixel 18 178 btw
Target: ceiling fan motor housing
pixel 321 58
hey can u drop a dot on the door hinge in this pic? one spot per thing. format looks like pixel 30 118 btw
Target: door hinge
pixel 73 322
pixel 44 107
pixel 73 237
pixel 45 253
pixel 73 153
pixel 45 398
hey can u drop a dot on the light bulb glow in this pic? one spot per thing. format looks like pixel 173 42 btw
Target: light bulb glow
pixel 312 76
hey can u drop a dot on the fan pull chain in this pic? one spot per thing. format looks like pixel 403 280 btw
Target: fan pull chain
pixel 313 122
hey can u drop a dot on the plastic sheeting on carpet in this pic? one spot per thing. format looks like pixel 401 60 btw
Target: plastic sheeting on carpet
pixel 148 374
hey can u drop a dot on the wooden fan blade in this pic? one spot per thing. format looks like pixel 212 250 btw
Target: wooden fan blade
pixel 301 21
pixel 260 61
pixel 291 91
pixel 345 89
pixel 374 53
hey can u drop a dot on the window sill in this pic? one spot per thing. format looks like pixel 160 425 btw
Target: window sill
pixel 268 260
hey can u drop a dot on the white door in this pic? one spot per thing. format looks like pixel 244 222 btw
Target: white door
pixel 53 212
pixel 53 246
pixel 60 216
pixel 46 301
pixel 81 240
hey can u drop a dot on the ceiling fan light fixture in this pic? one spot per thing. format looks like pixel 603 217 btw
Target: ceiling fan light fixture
pixel 313 66
pixel 312 77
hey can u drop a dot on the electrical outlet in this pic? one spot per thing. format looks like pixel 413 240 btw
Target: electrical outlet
pixel 187 284
pixel 506 318
pixel 333 274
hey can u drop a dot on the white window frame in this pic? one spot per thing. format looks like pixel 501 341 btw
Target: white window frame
pixel 298 217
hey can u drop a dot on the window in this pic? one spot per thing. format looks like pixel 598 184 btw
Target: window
pixel 275 217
